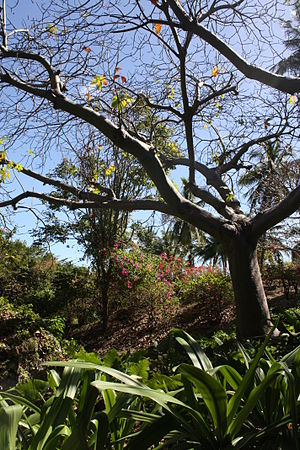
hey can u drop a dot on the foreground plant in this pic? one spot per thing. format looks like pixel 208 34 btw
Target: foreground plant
pixel 210 407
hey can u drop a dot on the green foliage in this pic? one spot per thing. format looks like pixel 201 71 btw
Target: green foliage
pixel 201 406
pixel 166 282
pixel 288 274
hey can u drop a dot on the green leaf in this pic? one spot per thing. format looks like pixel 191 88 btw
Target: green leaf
pixel 231 375
pixel 235 401
pixel 91 366
pixel 22 401
pixel 9 420
pixel 143 391
pixel 255 394
pixel 213 394
pixel 193 349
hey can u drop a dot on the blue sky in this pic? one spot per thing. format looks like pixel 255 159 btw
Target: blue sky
pixel 25 220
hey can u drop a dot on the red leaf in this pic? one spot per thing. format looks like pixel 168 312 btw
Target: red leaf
pixel 87 49
pixel 116 76
pixel 154 2
pixel 117 69
pixel 123 79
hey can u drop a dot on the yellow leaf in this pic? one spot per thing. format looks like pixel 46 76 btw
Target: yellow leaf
pixel 30 152
pixel 18 167
pixel 205 125
pixel 99 147
pixel 157 28
pixel 215 72
pixel 52 29
pixel 292 99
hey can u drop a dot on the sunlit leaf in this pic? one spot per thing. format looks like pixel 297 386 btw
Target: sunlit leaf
pixel 99 81
pixel 292 99
pixel 123 79
pixel 51 29
pixel 215 72
pixel 18 167
pixel 157 27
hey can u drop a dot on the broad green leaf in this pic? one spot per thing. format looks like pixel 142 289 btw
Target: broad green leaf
pixel 9 421
pixel 91 366
pixel 213 394
pixel 235 401
pixel 143 391
pixel 18 400
pixel 193 349
pixel 230 374
pixel 61 431
pixel 255 394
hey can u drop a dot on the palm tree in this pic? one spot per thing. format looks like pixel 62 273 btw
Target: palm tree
pixel 266 182
pixel 213 251
pixel 182 236
pixel 292 29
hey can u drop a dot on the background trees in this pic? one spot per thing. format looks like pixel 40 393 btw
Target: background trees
pixel 188 75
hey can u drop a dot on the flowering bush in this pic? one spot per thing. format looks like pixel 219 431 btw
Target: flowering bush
pixel 165 282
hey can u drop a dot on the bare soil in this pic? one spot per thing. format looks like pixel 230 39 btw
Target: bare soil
pixel 133 328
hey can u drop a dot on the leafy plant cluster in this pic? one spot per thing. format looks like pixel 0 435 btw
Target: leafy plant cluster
pixel 119 403
pixel 167 282
pixel 287 274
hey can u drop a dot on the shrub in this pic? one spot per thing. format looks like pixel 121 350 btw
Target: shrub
pixel 165 282
pixel 202 406
pixel 287 274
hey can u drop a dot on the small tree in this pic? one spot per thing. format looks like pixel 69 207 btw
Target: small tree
pixel 187 73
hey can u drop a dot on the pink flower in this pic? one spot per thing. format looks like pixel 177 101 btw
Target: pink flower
pixel 129 285
pixel 163 255
pixel 116 245
pixel 104 250
pixel 124 273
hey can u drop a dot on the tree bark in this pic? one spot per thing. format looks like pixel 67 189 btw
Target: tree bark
pixel 253 316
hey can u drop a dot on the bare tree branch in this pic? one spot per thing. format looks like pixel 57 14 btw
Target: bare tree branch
pixel 290 85
pixel 272 216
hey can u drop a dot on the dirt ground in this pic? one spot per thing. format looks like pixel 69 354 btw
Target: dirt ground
pixel 133 328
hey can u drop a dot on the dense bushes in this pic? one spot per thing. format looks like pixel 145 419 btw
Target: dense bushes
pixel 154 282
pixel 198 406
pixel 285 274
pixel 166 282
